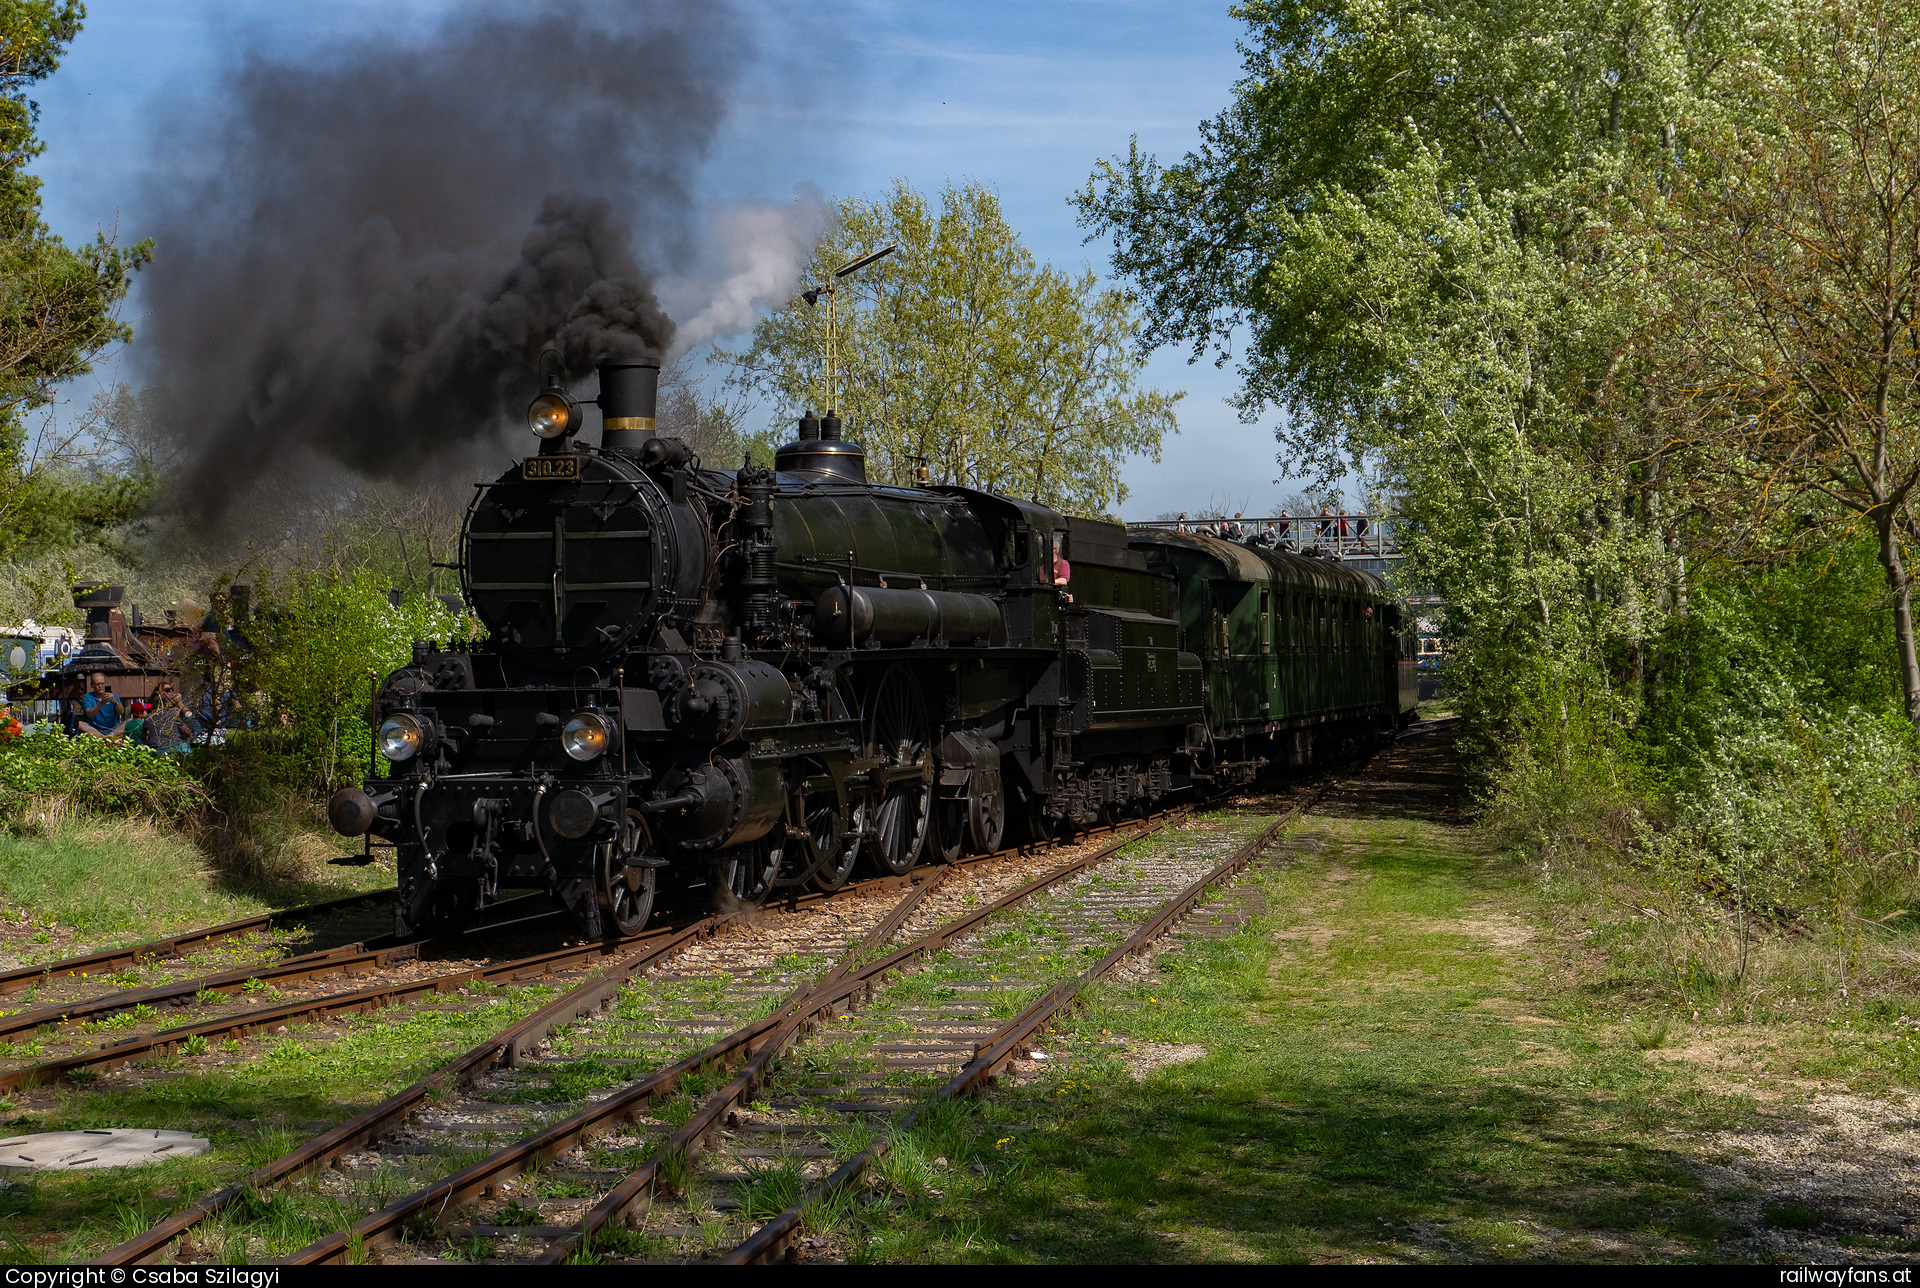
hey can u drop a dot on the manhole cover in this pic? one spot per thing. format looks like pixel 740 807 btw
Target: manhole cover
pixel 99 1147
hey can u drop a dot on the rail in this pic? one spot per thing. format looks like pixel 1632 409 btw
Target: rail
pixel 768 1243
pixel 629 957
pixel 23 977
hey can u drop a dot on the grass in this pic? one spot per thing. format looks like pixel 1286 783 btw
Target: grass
pixel 161 881
pixel 1402 1063
pixel 252 1110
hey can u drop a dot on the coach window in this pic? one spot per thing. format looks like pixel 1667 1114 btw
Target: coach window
pixel 1266 622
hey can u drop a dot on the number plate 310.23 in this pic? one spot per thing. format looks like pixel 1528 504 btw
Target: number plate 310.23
pixel 537 469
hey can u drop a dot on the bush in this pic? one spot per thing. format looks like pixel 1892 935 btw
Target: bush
pixel 1805 811
pixel 257 795
pixel 1771 772
pixel 319 656
pixel 1569 784
pixel 46 775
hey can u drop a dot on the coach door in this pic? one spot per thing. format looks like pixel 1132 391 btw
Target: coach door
pixel 1230 691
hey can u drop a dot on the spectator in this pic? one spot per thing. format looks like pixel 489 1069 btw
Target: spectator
pixel 10 728
pixel 1284 532
pixel 100 713
pixel 1183 521
pixel 1360 530
pixel 168 727
pixel 136 720
pixel 1326 524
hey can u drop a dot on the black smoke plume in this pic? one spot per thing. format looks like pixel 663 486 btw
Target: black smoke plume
pixel 385 234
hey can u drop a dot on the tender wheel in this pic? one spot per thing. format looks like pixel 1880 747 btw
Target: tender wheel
pixel 987 822
pixel 897 732
pixel 625 890
pixel 831 838
pixel 745 873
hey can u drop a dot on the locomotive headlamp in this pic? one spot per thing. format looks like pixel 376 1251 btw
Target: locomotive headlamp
pixel 401 738
pixel 553 414
pixel 586 735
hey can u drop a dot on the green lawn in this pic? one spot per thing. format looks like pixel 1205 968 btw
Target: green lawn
pixel 1402 1062
pixel 104 882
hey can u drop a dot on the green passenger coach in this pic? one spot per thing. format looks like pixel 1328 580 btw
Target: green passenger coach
pixel 1303 654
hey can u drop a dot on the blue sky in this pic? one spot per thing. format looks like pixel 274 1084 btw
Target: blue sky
pixel 1022 96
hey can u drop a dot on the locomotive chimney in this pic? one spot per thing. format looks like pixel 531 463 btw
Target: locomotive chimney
pixel 99 599
pixel 629 393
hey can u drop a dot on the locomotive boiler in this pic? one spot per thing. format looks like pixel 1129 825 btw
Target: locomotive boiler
pixel 757 679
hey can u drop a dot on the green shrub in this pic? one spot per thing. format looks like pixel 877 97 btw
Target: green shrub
pixel 320 652
pixel 46 775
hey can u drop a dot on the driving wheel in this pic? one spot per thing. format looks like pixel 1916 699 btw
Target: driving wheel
pixel 897 733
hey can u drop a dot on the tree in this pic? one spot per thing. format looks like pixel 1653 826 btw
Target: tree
pixel 1403 232
pixel 960 350
pixel 712 426
pixel 58 312
pixel 1794 367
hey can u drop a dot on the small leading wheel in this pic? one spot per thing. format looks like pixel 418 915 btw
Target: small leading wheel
pixel 823 821
pixel 986 822
pixel 949 839
pixel 897 732
pixel 745 873
pixel 625 888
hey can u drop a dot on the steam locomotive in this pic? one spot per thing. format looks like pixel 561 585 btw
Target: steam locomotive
pixel 760 679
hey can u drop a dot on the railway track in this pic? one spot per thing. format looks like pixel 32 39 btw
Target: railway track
pixel 21 978
pixel 688 1052
pixel 629 1113
pixel 635 1131
pixel 513 1054
pixel 247 995
pixel 941 1036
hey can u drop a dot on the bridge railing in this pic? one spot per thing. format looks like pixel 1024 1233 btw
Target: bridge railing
pixel 1340 536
